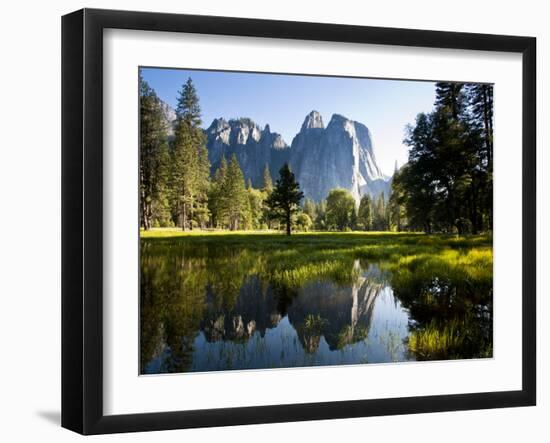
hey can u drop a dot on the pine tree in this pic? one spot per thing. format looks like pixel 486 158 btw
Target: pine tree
pixel 480 98
pixel 217 201
pixel 481 101
pixel 395 213
pixel 451 97
pixel 190 166
pixel 267 189
pixel 446 184
pixel 267 182
pixel 457 153
pixel 200 211
pixel 235 193
pixel 380 216
pixel 365 213
pixel 416 178
pixel 153 164
pixel 188 108
pixel 256 200
pixel 285 199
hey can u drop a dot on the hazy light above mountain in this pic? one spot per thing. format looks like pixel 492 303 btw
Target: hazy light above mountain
pixel 282 101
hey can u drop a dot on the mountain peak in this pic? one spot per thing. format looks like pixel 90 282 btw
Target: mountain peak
pixel 242 122
pixel 218 124
pixel 338 118
pixel 313 120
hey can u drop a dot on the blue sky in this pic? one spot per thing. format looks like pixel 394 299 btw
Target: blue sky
pixel 283 101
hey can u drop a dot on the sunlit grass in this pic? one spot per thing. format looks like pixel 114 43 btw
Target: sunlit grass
pixel 304 257
pixel 298 276
pixel 449 341
pixel 434 342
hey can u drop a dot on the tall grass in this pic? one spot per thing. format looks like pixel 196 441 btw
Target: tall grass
pixel 434 342
pixel 453 340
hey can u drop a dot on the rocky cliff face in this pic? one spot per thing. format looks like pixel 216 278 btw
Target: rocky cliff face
pixel 254 147
pixel 338 156
pixel 169 117
pixel 322 158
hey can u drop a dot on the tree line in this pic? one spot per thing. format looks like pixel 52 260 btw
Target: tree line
pixel 339 212
pixel 446 185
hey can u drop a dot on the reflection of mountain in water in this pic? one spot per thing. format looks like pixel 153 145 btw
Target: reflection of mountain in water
pixel 255 310
pixel 342 314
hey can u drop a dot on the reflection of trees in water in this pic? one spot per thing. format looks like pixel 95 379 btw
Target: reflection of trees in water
pixel 180 289
pixel 451 317
pixel 172 303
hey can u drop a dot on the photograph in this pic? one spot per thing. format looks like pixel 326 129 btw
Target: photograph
pixel 290 220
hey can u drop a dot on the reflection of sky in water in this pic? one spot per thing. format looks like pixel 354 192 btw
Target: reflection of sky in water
pixel 374 308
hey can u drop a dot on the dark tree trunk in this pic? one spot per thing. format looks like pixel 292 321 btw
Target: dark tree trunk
pixel 487 125
pixel 142 214
pixel 288 222
pixel 184 218
pixel 149 215
pixel 144 221
pixel 143 204
pixel 428 227
pixel 473 208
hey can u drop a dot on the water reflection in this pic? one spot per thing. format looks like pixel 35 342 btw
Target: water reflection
pixel 207 309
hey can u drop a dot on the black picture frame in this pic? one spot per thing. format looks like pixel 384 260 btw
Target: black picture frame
pixel 82 219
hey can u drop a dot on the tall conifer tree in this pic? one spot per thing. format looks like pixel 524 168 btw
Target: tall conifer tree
pixel 235 194
pixel 153 162
pixel 365 212
pixel 218 202
pixel 267 181
pixel 285 199
pixel 447 183
pixel 190 167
